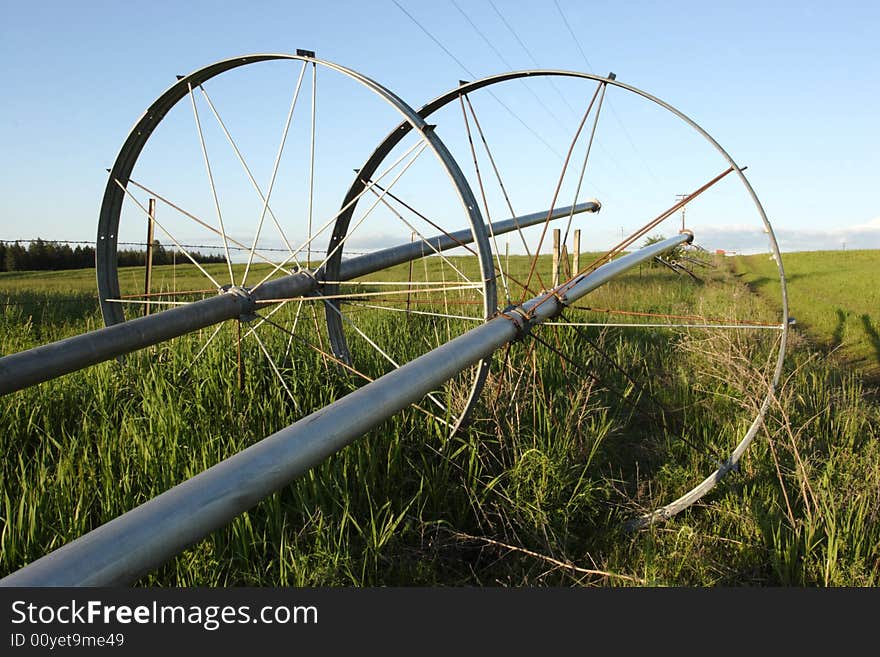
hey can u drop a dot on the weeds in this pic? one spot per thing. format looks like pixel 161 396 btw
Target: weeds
pixel 564 446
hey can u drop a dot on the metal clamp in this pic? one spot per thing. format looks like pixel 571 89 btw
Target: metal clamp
pixel 519 318
pixel 243 293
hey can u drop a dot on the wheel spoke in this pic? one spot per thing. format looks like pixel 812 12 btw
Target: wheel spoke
pixel 247 170
pixel 336 216
pixel 274 173
pixel 501 185
pixel 488 216
pixel 211 181
pixel 276 370
pixel 186 370
pixel 337 248
pixel 417 312
pixel 194 218
pixel 708 321
pixel 361 295
pixel 421 236
pixel 153 295
pixel 172 238
pixel 653 223
pixel 771 327
pixel 147 302
pixel 262 319
pixel 559 183
pixel 584 165
pixel 377 348
pixel 330 357
pixel 312 159
pixel 463 245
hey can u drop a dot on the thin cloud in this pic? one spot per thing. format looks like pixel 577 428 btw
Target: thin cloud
pixel 748 239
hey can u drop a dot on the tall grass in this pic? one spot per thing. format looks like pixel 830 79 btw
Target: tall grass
pixel 534 491
pixel 834 295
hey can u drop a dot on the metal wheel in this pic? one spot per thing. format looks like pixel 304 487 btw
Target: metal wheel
pixel 267 212
pixel 664 345
pixel 706 357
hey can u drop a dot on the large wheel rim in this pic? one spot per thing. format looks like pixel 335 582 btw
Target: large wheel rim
pixel 116 191
pixel 731 460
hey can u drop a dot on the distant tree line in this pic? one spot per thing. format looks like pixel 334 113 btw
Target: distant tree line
pixel 41 255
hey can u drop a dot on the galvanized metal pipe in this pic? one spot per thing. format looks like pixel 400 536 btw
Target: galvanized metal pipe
pixel 27 368
pixel 140 540
pixel 407 252
pixel 45 362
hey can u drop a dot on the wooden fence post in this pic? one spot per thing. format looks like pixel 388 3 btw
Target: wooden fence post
pixel 555 276
pixel 148 258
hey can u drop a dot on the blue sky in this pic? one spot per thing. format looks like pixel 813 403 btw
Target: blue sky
pixel 788 88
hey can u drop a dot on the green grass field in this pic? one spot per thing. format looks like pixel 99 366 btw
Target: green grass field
pixel 534 492
pixel 834 295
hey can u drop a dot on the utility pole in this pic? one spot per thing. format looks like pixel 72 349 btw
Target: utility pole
pixel 682 197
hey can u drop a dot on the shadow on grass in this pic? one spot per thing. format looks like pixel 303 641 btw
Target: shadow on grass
pixel 49 308
pixel 761 281
pixel 837 334
pixel 873 336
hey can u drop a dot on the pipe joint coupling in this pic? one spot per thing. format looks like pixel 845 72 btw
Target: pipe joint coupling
pixel 248 300
pixel 520 319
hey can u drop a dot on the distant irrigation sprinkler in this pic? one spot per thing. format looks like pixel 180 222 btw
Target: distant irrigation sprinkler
pixel 465 301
